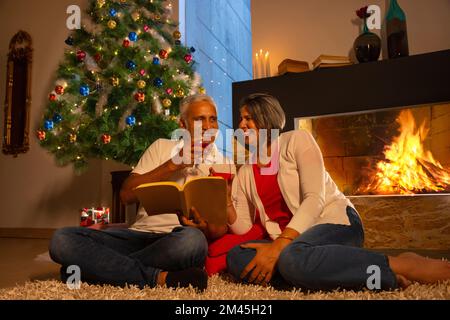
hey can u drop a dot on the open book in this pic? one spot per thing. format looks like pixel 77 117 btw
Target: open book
pixel 207 194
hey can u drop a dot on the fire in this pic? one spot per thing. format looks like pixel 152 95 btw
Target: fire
pixel 408 168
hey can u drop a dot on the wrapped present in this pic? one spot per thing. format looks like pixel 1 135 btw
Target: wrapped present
pixel 91 216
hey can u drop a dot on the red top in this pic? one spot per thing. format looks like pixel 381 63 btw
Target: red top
pixel 270 194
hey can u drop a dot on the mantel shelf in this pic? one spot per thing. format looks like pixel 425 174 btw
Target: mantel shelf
pixel 410 81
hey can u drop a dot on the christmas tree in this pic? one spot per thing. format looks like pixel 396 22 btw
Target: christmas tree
pixel 120 84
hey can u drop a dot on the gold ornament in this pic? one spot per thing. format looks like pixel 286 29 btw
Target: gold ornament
pixel 167 103
pixel 123 1
pixel 177 35
pixel 179 93
pixel 135 16
pixel 141 84
pixel 173 118
pixel 112 24
pixel 101 3
pixel 202 90
pixel 72 138
pixel 157 17
pixel 115 81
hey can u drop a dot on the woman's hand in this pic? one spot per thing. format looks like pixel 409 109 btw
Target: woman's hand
pixel 228 177
pixel 263 265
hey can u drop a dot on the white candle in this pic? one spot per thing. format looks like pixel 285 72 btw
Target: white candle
pixel 267 60
pixel 256 67
pixel 261 65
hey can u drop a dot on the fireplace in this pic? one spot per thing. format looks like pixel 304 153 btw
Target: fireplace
pixel 404 151
pixel 394 165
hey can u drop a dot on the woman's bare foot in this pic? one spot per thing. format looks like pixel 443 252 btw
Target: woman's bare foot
pixel 416 268
pixel 403 282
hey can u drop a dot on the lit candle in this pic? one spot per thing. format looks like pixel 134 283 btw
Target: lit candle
pixel 267 61
pixel 255 67
pixel 261 65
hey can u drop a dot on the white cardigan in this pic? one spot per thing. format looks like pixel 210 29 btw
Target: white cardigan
pixel 309 192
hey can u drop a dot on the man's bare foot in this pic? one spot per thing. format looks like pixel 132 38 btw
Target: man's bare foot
pixel 416 268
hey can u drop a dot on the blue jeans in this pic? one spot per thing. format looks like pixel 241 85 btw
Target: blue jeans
pixel 325 257
pixel 122 256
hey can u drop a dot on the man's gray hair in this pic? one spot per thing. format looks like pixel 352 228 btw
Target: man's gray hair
pixel 186 102
pixel 265 110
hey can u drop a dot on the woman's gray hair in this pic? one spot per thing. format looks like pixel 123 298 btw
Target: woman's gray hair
pixel 186 102
pixel 265 110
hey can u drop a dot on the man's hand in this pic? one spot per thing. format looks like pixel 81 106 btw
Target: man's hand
pixel 262 268
pixel 211 232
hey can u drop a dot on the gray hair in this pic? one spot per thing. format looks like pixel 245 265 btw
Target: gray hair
pixel 265 110
pixel 186 102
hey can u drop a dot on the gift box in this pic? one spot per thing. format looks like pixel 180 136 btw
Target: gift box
pixel 91 216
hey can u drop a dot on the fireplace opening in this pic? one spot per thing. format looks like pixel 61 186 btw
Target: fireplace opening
pixel 402 151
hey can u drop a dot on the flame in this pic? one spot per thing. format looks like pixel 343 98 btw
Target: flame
pixel 408 168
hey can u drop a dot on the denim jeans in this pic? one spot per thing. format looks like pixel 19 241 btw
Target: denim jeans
pixel 122 256
pixel 325 257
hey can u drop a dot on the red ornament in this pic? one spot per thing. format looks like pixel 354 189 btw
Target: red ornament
pixel 146 28
pixel 188 58
pixel 106 138
pixel 163 54
pixel 140 97
pixel 126 43
pixel 41 135
pixel 52 97
pixel 81 55
pixel 142 72
pixel 169 91
pixel 98 57
pixel 59 90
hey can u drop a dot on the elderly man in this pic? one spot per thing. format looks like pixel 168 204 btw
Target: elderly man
pixel 157 249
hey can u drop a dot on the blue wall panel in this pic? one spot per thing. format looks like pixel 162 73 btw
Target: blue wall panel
pixel 220 30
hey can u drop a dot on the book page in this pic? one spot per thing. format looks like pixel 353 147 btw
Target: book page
pixel 209 197
pixel 160 198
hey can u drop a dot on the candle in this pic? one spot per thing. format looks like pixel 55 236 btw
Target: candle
pixel 262 69
pixel 267 61
pixel 256 74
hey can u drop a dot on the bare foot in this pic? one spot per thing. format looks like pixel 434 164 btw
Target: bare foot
pixel 414 267
pixel 403 282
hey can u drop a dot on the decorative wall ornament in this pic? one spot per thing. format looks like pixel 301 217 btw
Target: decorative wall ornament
pixel 18 95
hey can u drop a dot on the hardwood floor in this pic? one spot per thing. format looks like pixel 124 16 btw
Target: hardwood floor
pixel 18 264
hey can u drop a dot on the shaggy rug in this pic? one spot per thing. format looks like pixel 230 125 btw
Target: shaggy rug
pixel 220 288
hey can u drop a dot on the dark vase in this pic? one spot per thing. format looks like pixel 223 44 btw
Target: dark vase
pixel 397 35
pixel 367 46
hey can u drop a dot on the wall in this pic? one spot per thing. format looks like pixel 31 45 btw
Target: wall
pixel 304 29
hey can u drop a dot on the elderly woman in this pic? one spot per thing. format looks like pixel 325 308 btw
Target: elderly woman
pixel 315 235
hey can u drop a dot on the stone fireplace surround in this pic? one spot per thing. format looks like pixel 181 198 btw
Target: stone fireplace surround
pixel 420 82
